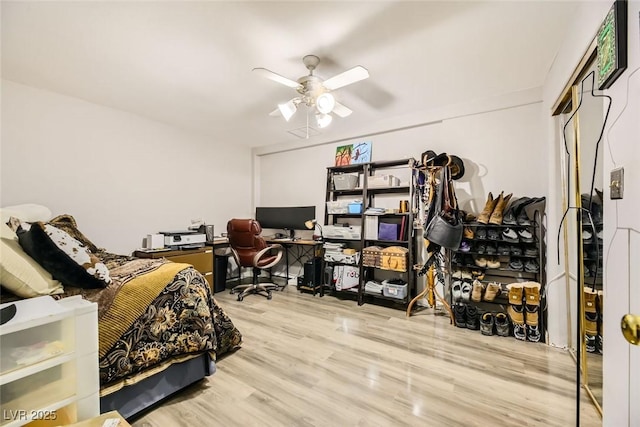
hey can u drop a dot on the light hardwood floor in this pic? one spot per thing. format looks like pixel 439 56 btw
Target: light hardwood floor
pixel 311 361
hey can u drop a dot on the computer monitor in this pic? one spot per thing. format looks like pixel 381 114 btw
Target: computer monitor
pixel 285 218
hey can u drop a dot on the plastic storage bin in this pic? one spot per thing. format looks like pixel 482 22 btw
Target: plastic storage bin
pixel 345 182
pixel 394 291
pixel 355 208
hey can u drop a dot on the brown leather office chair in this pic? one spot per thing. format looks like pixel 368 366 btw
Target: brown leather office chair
pixel 249 249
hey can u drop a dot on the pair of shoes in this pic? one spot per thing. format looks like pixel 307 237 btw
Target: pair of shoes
pixel 498 320
pixel 466 316
pixel 465 246
pixel 524 304
pixel 530 251
pixel 460 291
pixel 484 292
pixel 494 209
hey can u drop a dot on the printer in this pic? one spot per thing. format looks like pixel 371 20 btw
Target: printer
pixel 184 239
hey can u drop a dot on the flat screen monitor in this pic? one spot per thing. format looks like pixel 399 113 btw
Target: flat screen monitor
pixel 285 218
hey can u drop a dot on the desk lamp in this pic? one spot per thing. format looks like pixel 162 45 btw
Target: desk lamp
pixel 311 224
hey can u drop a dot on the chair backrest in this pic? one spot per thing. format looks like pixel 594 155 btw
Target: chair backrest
pixel 244 237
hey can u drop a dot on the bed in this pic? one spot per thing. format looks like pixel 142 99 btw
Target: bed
pixel 160 328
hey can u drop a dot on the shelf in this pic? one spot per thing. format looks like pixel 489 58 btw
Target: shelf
pixel 389 190
pixel 18 373
pixel 381 296
pixel 372 195
pixel 477 224
pixel 391 242
pixel 498 255
pixel 353 192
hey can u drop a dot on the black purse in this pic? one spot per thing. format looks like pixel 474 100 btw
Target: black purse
pixel 445 228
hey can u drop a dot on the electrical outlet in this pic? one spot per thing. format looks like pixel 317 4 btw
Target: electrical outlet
pixel 616 185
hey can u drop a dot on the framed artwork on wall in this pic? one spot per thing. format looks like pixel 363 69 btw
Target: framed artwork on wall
pixel 343 155
pixel 612 45
pixel 352 154
pixel 361 152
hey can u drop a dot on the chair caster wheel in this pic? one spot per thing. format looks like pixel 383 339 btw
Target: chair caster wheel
pixel 240 298
pixel 269 296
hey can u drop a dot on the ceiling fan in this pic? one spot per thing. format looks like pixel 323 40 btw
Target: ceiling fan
pixel 315 92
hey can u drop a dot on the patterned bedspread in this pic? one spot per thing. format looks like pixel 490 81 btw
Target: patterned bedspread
pixel 152 312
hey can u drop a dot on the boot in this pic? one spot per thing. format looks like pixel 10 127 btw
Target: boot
pixel 486 323
pixel 600 321
pixel 590 319
pixel 498 211
pixel 476 293
pixel 502 325
pixel 493 290
pixel 460 315
pixel 532 306
pixel 516 310
pixel 484 216
pixel 473 317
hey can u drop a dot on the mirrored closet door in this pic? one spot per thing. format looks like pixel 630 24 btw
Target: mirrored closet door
pixel 581 122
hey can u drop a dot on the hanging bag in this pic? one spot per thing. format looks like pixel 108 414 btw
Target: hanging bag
pixel 445 227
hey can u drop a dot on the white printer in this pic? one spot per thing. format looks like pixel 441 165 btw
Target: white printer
pixel 184 239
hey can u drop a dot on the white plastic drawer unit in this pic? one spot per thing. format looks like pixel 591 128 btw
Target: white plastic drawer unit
pixel 48 359
pixel 25 397
pixel 44 331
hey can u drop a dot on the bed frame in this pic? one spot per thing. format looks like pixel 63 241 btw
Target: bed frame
pixel 132 400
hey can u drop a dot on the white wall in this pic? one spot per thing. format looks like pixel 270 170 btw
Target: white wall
pixel 498 149
pixel 120 175
pixel 621 372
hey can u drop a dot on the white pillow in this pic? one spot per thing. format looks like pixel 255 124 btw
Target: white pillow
pixel 20 273
pixel 28 212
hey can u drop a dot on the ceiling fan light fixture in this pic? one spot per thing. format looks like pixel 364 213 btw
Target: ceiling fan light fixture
pixel 325 103
pixel 323 120
pixel 288 109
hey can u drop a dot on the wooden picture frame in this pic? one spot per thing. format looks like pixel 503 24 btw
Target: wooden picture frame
pixel 612 45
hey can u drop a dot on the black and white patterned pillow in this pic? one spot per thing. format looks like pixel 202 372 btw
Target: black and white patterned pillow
pixel 64 257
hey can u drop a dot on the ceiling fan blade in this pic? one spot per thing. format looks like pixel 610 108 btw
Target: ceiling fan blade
pixel 353 75
pixel 276 77
pixel 341 110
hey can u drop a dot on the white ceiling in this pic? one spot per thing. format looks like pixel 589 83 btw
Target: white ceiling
pixel 189 63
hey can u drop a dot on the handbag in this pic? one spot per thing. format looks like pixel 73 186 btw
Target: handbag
pixel 445 228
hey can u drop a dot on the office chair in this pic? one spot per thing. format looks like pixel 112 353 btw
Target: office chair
pixel 249 249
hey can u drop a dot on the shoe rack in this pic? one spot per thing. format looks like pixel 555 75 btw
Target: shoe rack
pixel 385 185
pixel 486 256
pixel 593 293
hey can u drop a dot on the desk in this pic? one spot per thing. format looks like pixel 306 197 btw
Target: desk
pixel 306 249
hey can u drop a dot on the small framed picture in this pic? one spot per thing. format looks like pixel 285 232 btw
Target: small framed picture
pixel 612 45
